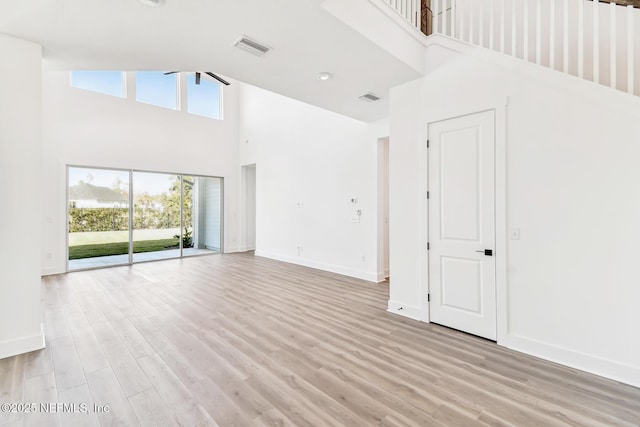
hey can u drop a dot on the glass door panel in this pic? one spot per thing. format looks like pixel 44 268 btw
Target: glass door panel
pixel 202 210
pixel 97 217
pixel 156 216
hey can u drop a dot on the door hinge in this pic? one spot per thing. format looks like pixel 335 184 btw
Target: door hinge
pixel 428 297
pixel 428 246
pixel 427 195
pixel 427 143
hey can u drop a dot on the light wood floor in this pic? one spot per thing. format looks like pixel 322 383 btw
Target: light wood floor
pixel 239 340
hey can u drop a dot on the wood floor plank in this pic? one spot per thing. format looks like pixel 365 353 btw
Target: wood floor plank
pixel 12 380
pixel 89 350
pixel 56 324
pixel 188 412
pixel 5 422
pixel 66 363
pixel 219 405
pixel 239 340
pixel 38 362
pixel 136 344
pixel 150 409
pixel 273 418
pixel 81 398
pixel 106 391
pixel 132 379
pixel 42 390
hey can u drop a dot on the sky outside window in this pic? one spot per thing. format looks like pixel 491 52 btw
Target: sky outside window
pixel 106 82
pixel 203 99
pixel 156 88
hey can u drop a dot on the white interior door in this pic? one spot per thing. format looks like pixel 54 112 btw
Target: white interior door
pixel 462 279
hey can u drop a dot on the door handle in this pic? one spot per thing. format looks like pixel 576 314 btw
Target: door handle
pixel 487 252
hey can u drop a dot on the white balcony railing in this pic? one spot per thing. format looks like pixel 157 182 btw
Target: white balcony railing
pixel 408 9
pixel 592 40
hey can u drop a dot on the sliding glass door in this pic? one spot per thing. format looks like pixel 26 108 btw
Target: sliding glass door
pixel 98 217
pixel 156 216
pixel 202 215
pixel 118 217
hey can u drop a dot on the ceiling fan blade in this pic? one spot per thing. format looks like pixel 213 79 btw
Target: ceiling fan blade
pixel 197 78
pixel 221 80
pixel 170 72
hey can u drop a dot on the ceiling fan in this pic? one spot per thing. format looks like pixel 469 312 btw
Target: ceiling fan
pixel 198 75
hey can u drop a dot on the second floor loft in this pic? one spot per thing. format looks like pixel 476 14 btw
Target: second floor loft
pixel 593 40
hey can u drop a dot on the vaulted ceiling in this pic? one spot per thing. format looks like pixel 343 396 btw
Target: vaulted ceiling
pixel 198 35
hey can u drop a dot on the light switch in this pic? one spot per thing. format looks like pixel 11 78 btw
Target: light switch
pixel 514 233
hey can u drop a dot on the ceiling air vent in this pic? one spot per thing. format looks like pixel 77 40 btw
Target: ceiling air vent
pixel 251 46
pixel 370 97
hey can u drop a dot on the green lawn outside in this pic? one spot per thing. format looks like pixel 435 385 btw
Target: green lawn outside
pixel 98 237
pixel 120 248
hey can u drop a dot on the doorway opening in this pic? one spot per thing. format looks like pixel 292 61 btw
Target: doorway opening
pixel 249 178
pixel 383 209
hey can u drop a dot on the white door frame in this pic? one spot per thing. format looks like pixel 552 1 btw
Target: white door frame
pixel 382 269
pixel 500 215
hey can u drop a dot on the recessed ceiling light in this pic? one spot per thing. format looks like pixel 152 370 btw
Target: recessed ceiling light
pixel 154 3
pixel 324 76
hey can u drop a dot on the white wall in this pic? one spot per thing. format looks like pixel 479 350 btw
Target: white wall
pixel 20 206
pixel 91 129
pixel 571 188
pixel 320 159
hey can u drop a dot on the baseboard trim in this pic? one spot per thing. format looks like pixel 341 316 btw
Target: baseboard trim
pixel 405 310
pixel 51 271
pixel 617 371
pixel 358 274
pixel 383 275
pixel 22 345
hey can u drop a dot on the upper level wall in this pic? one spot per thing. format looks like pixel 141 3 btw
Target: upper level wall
pixel 570 189
pixel 91 129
